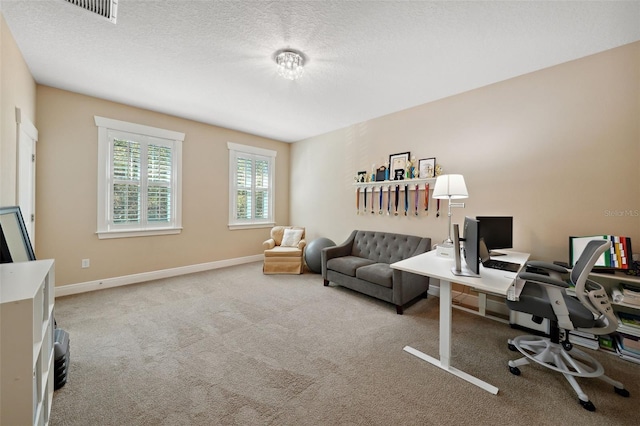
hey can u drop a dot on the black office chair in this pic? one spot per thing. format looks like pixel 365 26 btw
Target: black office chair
pixel 545 297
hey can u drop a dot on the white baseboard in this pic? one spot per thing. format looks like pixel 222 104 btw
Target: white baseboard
pixel 472 300
pixel 70 289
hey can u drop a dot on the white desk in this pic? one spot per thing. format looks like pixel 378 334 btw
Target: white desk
pixel 490 281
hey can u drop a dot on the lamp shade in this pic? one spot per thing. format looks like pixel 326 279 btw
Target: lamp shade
pixel 450 187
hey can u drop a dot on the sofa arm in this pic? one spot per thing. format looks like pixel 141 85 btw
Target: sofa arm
pixel 302 244
pixel 269 244
pixel 343 249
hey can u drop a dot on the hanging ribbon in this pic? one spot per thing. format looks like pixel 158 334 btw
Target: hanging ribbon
pixel 426 198
pixel 380 211
pixel 406 199
pixel 357 200
pixel 365 199
pixel 397 197
pixel 372 199
pixel 417 199
pixel 438 207
pixel 389 200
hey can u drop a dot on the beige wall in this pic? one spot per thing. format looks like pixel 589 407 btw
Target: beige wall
pixel 555 149
pixel 67 184
pixel 17 89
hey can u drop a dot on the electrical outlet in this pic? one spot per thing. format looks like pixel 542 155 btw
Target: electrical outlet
pixel 86 263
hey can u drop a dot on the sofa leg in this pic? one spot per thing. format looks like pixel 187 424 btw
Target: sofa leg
pixel 326 283
pixel 399 309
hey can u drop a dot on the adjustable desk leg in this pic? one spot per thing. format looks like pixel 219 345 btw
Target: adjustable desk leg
pixel 445 324
pixel 445 343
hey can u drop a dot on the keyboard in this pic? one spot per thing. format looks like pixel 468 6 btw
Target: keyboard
pixel 503 266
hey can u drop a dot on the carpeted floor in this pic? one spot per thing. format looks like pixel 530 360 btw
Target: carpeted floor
pixel 236 347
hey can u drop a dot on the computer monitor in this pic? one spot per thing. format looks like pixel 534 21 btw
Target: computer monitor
pixel 497 232
pixel 472 244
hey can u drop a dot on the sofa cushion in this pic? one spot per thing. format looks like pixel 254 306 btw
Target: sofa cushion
pixel 348 264
pixel 378 273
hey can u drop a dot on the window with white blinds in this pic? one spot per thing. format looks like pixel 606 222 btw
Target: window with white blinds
pixel 251 192
pixel 139 173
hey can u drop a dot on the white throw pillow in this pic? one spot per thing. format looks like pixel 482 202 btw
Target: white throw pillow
pixel 291 237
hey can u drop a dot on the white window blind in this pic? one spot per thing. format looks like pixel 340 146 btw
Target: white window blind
pixel 139 180
pixel 251 186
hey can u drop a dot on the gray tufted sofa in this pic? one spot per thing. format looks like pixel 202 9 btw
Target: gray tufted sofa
pixel 362 263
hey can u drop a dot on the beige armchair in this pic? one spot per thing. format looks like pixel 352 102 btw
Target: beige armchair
pixel 283 252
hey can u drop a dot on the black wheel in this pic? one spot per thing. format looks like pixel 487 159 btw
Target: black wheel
pixel 621 392
pixel 567 345
pixel 587 405
pixel 514 370
pixel 512 347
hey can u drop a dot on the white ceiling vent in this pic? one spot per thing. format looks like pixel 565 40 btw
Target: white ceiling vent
pixel 105 8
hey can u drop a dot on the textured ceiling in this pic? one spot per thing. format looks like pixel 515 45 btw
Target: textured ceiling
pixel 212 61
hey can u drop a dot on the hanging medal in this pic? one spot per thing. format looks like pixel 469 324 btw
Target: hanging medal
pixel 406 199
pixel 380 211
pixel 417 199
pixel 357 200
pixel 426 198
pixel 365 199
pixel 397 198
pixel 389 200
pixel 373 193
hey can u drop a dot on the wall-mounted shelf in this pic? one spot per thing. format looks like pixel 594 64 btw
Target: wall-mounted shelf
pixel 392 183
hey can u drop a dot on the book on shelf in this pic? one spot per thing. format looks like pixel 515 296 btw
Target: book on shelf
pixel 628 345
pixel 584 339
pixel 629 319
pixel 618 256
pixel 607 343
pixel 625 293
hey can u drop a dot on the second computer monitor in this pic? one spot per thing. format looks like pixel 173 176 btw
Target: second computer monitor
pixel 497 231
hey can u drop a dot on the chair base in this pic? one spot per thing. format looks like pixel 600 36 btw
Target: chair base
pixel 573 363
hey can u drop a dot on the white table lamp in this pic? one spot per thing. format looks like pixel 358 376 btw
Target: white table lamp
pixel 450 187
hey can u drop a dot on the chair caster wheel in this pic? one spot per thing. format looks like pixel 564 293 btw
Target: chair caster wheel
pixel 514 370
pixel 567 345
pixel 587 405
pixel 621 392
pixel 512 347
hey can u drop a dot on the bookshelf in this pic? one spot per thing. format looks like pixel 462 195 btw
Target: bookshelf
pixel 26 342
pixel 610 282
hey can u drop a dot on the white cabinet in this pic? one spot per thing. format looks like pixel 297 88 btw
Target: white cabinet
pixel 26 342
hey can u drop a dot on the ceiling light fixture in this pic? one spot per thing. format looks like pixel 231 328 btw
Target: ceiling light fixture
pixel 290 63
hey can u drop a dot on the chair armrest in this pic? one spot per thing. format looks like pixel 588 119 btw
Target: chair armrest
pixel 548 266
pixel 542 279
pixel 269 244
pixel 302 244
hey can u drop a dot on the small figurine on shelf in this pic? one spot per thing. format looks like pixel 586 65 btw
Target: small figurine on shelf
pixel 373 173
pixel 407 170
pixel 438 170
pixel 386 171
pixel 412 167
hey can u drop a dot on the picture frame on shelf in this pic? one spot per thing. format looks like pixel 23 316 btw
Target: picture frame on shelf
pixel 361 177
pixel 398 162
pixel 427 167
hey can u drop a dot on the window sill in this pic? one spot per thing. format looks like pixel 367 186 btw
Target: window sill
pixel 103 235
pixel 236 226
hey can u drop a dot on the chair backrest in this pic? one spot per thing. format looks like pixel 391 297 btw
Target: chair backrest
pixel 591 294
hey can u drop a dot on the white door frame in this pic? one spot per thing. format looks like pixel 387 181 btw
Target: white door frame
pixel 27 136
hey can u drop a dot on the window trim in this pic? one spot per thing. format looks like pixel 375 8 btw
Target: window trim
pixel 104 228
pixel 234 150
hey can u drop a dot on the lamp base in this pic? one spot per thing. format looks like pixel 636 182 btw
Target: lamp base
pixel 445 250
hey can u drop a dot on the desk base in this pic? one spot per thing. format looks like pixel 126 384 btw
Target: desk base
pixel 469 378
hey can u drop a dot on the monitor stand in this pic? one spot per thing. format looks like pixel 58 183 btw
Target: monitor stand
pixel 464 272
